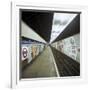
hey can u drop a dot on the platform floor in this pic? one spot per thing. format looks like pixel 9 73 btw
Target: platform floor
pixel 50 63
pixel 43 66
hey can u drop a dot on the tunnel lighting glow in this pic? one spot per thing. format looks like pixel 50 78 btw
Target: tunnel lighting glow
pixel 60 22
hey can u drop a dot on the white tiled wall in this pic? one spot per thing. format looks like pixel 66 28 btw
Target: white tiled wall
pixel 70 46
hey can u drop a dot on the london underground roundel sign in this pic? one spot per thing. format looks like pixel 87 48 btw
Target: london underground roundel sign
pixel 24 52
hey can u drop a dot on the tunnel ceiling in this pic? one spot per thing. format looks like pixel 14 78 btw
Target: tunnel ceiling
pixel 42 23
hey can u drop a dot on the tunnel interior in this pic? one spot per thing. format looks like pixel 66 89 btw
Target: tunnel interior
pixel 49 43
